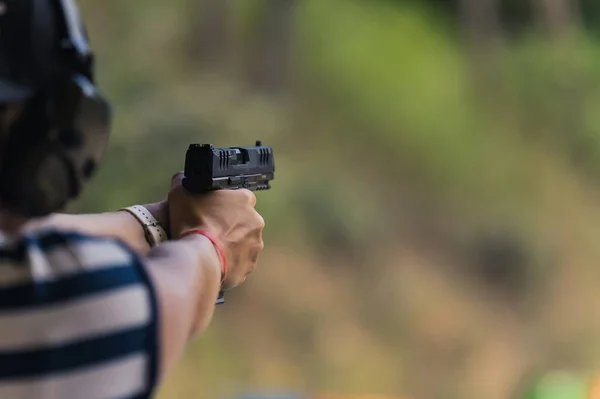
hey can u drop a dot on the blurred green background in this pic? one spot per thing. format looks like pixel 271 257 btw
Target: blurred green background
pixel 433 229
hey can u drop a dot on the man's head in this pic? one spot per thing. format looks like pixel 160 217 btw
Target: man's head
pixel 54 125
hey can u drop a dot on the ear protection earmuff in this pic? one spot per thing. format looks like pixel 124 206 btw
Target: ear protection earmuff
pixel 62 133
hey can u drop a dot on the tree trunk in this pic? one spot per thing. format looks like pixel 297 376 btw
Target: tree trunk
pixel 560 18
pixel 210 37
pixel 481 22
pixel 557 16
pixel 483 36
pixel 269 60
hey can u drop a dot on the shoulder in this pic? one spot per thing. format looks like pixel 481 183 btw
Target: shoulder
pixel 83 301
pixel 61 246
pixel 51 255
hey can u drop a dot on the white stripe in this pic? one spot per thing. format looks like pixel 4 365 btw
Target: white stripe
pixel 84 255
pixel 92 316
pixel 118 379
pixel 63 261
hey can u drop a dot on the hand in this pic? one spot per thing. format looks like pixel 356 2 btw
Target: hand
pixel 228 215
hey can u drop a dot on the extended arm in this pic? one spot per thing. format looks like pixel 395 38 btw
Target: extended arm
pixel 185 273
pixel 120 225
pixel 186 276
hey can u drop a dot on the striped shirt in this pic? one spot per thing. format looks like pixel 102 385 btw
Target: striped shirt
pixel 78 319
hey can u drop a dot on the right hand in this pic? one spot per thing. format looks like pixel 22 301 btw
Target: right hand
pixel 228 215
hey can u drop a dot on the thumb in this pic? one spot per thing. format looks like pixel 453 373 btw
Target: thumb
pixel 176 179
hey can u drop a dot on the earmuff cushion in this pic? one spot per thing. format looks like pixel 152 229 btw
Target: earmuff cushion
pixel 37 177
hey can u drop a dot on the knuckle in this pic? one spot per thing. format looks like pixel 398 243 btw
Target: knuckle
pixel 252 265
pixel 249 196
pixel 177 179
pixel 177 175
pixel 174 194
pixel 260 221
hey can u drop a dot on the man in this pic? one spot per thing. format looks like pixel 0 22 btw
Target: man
pixel 91 306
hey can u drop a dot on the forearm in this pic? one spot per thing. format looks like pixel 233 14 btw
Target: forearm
pixel 186 275
pixel 121 225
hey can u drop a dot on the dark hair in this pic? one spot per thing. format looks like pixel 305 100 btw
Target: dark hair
pixel 28 48
pixel 62 126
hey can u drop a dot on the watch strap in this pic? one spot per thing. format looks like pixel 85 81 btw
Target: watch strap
pixel 154 232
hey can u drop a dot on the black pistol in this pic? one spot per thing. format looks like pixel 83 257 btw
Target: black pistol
pixel 208 168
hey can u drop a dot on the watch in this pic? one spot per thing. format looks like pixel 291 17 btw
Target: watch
pixel 154 232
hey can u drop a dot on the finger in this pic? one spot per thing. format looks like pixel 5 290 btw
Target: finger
pixel 260 222
pixel 253 266
pixel 259 247
pixel 176 179
pixel 250 196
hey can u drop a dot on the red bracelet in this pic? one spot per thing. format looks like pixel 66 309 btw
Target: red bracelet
pixel 218 247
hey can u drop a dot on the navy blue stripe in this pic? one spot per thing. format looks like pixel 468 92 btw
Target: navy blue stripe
pixel 50 239
pixel 14 253
pixel 68 288
pixel 45 240
pixel 153 339
pixel 90 352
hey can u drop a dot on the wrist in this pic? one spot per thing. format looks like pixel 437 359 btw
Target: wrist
pixel 160 211
pixel 216 245
pixel 209 272
pixel 148 218
pixel 208 253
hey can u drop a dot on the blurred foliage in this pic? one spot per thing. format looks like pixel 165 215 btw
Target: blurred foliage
pixel 433 225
